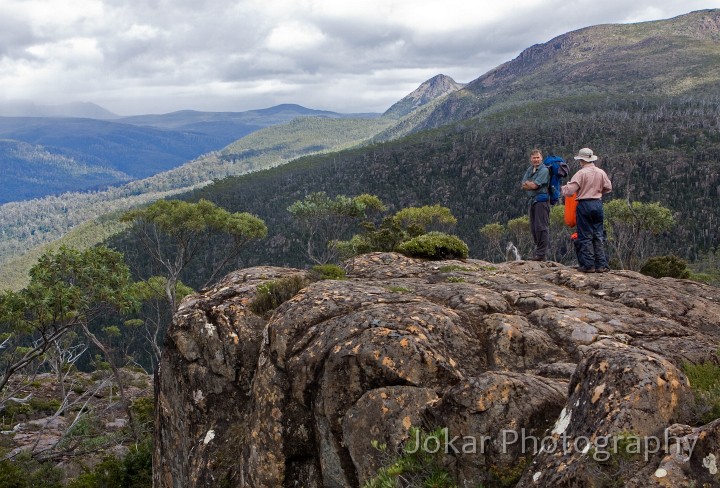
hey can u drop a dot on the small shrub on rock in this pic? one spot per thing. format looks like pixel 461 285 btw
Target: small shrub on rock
pixel 705 383
pixel 435 245
pixel 329 271
pixel 662 266
pixel 414 465
pixel 271 294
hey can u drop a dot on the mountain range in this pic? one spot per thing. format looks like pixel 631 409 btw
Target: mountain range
pixel 644 96
pixel 54 154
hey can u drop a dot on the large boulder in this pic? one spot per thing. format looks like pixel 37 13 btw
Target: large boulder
pixel 536 353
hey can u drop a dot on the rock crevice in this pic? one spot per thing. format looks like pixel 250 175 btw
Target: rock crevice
pixel 483 350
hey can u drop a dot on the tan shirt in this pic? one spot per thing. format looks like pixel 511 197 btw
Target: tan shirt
pixel 589 182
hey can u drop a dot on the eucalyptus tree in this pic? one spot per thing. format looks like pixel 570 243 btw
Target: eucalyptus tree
pixel 174 232
pixel 325 220
pixel 68 290
pixel 633 228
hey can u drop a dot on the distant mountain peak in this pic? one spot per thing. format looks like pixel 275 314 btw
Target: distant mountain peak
pixel 86 110
pixel 432 89
pixel 670 57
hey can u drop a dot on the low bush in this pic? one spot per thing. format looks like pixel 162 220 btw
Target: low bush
pixel 662 266
pixel 435 245
pixel 329 272
pixel 132 471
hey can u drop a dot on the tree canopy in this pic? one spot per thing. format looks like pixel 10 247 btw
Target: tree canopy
pixel 174 232
pixel 68 289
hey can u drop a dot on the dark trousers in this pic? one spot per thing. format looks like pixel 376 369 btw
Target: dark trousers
pixel 540 227
pixel 591 234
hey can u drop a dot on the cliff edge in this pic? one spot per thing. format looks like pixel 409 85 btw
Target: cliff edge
pixel 542 376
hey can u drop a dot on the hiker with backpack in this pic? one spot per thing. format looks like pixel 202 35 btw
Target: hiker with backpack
pixel 535 182
pixel 590 184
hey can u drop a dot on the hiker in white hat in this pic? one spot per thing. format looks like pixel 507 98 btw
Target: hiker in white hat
pixel 590 184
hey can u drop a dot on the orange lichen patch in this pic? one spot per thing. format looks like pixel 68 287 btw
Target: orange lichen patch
pixel 501 394
pixel 337 349
pixel 356 349
pixel 661 382
pixel 597 393
pixel 376 354
pixel 452 362
pixel 383 395
pixel 388 363
pixel 603 366
pixel 407 423
pixel 385 410
pixel 404 343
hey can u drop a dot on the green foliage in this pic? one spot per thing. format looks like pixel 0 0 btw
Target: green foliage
pixel 14 272
pixel 329 271
pixel 174 231
pixel 143 411
pixel 272 294
pixel 68 288
pixel 518 230
pixel 182 220
pixel 632 228
pixel 397 230
pixel 705 382
pixel 154 289
pixel 493 235
pixel 414 465
pixel 418 220
pixel 706 268
pixel 325 220
pixel 435 245
pixel 25 472
pixel 132 471
pixel 670 265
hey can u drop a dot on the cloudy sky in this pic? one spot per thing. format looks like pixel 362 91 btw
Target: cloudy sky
pixel 157 56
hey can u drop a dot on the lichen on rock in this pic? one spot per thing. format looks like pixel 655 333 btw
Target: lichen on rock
pixel 522 351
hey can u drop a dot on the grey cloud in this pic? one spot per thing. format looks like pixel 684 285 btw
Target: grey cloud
pixel 225 42
pixel 15 37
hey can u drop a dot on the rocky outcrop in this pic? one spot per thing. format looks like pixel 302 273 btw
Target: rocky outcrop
pixel 436 87
pixel 533 369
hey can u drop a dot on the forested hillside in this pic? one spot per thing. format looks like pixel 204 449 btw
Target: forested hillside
pixel 42 156
pixel 30 170
pixel 27 225
pixel 665 150
pixel 660 58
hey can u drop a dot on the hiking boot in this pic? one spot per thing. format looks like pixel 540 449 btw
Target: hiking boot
pixel 585 270
pixel 602 270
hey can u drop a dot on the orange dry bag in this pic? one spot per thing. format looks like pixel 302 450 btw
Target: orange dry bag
pixel 570 209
